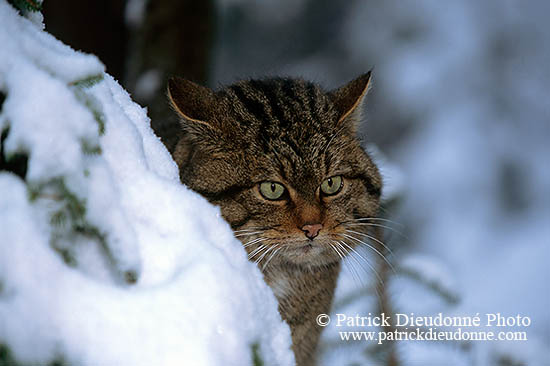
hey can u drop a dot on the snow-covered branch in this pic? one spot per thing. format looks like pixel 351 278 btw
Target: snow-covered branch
pixel 105 258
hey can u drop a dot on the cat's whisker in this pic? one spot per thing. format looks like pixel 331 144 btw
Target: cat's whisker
pixel 380 280
pixel 353 271
pixel 344 250
pixel 253 241
pixel 337 251
pixel 377 219
pixel 243 231
pixel 260 258
pixel 252 228
pixel 271 256
pixel 351 267
pixel 256 251
pixel 378 225
pixel 364 259
pixel 248 234
pixel 372 238
pixel 371 247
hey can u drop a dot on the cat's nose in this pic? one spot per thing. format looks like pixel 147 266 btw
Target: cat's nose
pixel 312 231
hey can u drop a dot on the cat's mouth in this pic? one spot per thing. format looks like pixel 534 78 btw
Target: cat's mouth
pixel 306 248
pixel 310 248
pixel 312 252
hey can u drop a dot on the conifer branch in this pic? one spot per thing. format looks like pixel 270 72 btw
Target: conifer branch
pixel 89 101
pixel 87 82
pixel 26 5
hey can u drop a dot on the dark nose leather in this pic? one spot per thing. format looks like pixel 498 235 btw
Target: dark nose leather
pixel 312 231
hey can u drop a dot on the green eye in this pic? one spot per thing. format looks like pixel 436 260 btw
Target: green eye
pixel 272 190
pixel 332 185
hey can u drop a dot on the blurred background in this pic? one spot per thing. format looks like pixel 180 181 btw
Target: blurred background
pixel 460 110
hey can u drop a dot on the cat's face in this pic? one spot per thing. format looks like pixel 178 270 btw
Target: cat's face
pixel 282 160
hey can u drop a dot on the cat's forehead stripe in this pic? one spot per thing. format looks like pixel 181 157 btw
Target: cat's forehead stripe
pixel 294 123
pixel 273 94
pixel 250 103
pixel 281 101
pixel 312 100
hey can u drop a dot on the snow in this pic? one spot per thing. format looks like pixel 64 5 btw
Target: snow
pixel 197 299
pixel 462 87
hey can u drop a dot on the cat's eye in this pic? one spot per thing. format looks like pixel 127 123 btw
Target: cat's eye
pixel 332 185
pixel 272 190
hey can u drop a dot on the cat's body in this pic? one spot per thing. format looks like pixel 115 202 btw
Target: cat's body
pixel 282 160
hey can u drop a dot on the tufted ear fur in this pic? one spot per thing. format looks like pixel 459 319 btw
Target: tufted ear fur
pixel 192 102
pixel 349 98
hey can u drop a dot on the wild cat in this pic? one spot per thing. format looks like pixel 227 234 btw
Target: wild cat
pixel 281 158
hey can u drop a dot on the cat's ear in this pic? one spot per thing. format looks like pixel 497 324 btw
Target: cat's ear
pixel 192 102
pixel 349 98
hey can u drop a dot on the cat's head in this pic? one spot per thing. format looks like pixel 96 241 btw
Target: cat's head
pixel 282 159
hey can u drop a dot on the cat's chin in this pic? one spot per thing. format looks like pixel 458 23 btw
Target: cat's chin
pixel 311 253
pixel 308 251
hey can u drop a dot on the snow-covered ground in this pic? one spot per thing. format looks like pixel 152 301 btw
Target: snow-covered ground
pixel 99 208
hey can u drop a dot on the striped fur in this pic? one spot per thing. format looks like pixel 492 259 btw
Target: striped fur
pixel 292 132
